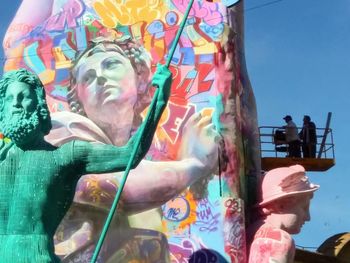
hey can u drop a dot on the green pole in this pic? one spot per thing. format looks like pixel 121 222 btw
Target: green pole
pixel 138 140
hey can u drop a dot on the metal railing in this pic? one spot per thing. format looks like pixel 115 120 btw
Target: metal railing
pixel 270 147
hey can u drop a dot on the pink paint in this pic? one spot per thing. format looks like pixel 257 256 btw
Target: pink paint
pixel 285 181
pixel 207 11
pixel 68 17
pixel 271 245
pixel 283 210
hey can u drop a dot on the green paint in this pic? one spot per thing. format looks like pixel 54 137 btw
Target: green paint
pixel 125 176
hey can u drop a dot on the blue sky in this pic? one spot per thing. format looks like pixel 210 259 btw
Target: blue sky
pixel 298 60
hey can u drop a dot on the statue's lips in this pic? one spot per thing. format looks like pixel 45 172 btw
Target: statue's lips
pixel 111 93
pixel 16 112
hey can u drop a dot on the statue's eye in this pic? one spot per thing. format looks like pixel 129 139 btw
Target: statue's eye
pixel 111 63
pixel 89 76
pixel 9 98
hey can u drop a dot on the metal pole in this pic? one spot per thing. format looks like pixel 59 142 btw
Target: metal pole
pixel 138 140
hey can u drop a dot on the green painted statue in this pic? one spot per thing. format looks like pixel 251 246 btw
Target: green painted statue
pixel 37 180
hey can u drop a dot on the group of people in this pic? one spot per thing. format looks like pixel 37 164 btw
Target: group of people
pixel 306 138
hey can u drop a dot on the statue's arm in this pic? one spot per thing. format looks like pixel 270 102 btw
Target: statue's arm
pixel 148 186
pixel 152 183
pixel 29 14
pixel 97 158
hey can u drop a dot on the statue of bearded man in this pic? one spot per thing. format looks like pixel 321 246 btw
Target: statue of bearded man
pixel 37 179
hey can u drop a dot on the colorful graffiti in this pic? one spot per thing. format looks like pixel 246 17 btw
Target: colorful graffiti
pixel 96 59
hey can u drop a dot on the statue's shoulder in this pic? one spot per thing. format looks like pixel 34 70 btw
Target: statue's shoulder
pixel 68 126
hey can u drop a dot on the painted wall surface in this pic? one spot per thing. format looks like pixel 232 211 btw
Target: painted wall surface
pixel 204 219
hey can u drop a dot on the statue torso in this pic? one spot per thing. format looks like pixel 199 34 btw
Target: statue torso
pixel 35 193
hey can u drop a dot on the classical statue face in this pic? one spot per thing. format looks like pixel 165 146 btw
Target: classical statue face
pixel 106 83
pixel 294 212
pixel 20 98
pixel 21 121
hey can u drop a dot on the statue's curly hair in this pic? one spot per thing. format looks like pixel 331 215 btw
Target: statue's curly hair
pixel 127 47
pixel 25 76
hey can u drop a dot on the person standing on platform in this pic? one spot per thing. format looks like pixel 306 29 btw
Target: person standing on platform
pixel 292 137
pixel 308 137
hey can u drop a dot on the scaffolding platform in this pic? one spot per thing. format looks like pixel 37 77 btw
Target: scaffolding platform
pixel 274 150
pixel 310 164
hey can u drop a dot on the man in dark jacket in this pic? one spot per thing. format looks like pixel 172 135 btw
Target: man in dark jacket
pixel 308 137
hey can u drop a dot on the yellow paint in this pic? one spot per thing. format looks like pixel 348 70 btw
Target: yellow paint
pixel 207 112
pixel 136 30
pixel 14 58
pixel 47 76
pixel 147 41
pixel 106 18
pixel 60 58
pixel 159 47
pixel 209 48
pixel 160 134
pixel 201 45
pixel 128 12
pixel 192 217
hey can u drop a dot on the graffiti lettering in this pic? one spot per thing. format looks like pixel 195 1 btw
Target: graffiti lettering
pixel 34 62
pixel 176 209
pixel 206 219
pixel 234 230
pixel 233 206
pixel 173 124
pixel 173 212
pixel 69 15
pixel 182 252
pixel 127 12
pixel 214 32
pixel 207 11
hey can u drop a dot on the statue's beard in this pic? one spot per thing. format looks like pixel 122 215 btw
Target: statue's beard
pixel 20 127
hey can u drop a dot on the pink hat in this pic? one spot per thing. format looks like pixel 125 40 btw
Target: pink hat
pixel 285 181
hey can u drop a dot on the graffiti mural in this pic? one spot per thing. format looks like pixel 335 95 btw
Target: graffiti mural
pixel 96 59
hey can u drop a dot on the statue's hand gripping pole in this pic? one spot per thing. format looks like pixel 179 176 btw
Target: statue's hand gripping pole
pixel 138 141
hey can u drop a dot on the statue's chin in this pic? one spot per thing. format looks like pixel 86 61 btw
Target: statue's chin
pixel 21 130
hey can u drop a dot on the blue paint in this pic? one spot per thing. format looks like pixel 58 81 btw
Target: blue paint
pixel 176 56
pixel 81 41
pixel 192 74
pixel 206 58
pixel 171 18
pixel 156 28
pixel 62 74
pixel 188 56
pixel 59 92
pixel 214 32
pixel 229 3
pixel 32 59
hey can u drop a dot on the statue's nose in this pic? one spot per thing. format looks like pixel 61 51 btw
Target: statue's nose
pixel 16 102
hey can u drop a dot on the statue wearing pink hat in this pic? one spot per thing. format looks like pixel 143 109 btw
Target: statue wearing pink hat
pixel 284 208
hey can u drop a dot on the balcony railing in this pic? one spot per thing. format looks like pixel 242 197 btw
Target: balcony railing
pixel 274 150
